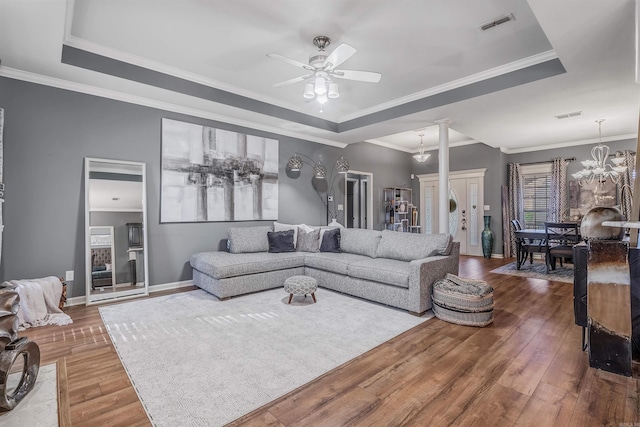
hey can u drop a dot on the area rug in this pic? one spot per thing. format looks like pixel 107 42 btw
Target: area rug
pixel 40 406
pixel 537 270
pixel 198 361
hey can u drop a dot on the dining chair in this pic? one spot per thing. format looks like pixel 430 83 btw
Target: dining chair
pixel 527 247
pixel 560 239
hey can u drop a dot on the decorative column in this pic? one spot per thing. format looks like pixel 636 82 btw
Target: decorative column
pixel 443 176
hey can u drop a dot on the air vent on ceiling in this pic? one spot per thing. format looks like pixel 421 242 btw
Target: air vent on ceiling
pixel 498 21
pixel 568 115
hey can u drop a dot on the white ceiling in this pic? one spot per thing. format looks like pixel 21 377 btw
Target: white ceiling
pixel 115 196
pixel 422 48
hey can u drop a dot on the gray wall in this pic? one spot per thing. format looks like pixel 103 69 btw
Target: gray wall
pixel 474 156
pixel 47 134
pixel 390 168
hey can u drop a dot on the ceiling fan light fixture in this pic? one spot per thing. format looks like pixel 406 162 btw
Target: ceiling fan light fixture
pixel 320 87
pixel 308 91
pixel 333 90
pixel 322 98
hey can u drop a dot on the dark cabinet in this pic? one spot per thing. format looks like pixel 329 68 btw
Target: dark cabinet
pixel 135 234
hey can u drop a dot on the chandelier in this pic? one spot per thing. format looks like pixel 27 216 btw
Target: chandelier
pixel 421 156
pixel 597 167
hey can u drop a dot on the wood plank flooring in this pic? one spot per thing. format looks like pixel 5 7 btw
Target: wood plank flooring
pixel 525 369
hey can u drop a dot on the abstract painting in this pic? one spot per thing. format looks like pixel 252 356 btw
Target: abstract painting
pixel 584 196
pixel 211 174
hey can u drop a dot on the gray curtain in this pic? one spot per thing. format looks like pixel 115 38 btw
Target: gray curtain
pixel 1 176
pixel 558 205
pixel 625 186
pixel 515 203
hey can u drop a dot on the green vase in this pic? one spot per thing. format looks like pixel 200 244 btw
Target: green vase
pixel 487 237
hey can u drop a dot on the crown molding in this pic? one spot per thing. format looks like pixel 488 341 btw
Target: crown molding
pixel 389 145
pixel 16 74
pixel 118 55
pixel 569 144
pixel 431 147
pixel 474 78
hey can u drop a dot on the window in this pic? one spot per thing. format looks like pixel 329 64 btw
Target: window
pixel 536 183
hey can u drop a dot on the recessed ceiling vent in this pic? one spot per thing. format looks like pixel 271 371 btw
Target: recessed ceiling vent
pixel 568 115
pixel 498 21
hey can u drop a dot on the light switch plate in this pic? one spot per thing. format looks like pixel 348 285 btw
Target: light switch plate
pixel 68 276
pixel 487 208
pixel 340 207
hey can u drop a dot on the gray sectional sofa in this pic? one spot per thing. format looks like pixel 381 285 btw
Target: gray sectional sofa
pixel 397 269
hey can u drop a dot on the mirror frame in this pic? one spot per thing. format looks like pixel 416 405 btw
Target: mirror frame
pixel 369 202
pixel 115 295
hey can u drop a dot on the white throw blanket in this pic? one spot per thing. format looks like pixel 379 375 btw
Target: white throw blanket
pixel 39 300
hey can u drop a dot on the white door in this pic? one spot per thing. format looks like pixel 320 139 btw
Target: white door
pixel 466 200
pixel 458 211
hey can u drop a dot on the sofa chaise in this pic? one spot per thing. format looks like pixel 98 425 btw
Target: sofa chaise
pixel 392 268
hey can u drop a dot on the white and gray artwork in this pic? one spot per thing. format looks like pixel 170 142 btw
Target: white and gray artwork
pixel 211 174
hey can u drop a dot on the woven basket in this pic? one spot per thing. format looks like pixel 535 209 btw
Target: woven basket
pixel 462 302
pixel 462 318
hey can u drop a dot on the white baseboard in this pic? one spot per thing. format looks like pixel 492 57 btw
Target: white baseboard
pixel 81 300
pixel 169 286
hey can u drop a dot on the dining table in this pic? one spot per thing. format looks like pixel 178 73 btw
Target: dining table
pixel 531 234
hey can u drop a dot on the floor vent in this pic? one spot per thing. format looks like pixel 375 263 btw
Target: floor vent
pixel 501 20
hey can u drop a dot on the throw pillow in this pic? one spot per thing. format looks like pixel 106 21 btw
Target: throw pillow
pixel 331 240
pixel 248 239
pixel 308 241
pixel 280 241
pixel 278 226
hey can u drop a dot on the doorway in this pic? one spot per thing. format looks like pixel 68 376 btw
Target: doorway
pixel 358 202
pixel 466 202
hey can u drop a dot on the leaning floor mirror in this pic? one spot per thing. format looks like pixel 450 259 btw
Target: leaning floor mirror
pixel 116 230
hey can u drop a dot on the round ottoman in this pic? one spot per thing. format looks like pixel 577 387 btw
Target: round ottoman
pixel 301 285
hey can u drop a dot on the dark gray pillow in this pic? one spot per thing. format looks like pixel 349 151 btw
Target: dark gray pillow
pixel 281 241
pixel 308 241
pixel 331 241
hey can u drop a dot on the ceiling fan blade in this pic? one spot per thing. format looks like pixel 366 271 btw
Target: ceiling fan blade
pixel 363 76
pixel 339 55
pixel 291 61
pixel 292 81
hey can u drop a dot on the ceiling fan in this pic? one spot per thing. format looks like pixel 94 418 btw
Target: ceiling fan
pixel 322 70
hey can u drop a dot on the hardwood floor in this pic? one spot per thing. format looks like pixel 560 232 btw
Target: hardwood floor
pixel 527 368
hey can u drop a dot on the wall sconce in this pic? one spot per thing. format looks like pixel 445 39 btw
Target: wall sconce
pixel 296 163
